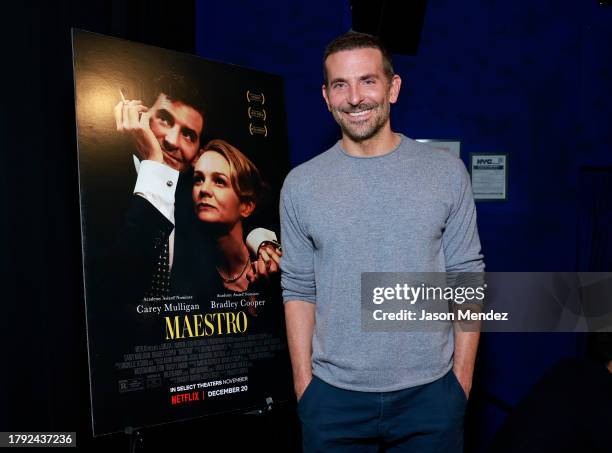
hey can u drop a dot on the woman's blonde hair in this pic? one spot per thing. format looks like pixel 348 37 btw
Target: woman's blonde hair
pixel 244 175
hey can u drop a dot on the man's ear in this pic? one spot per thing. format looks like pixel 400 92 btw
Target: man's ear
pixel 324 92
pixel 394 89
pixel 246 208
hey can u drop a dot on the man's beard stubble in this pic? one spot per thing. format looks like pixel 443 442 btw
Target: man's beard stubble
pixel 366 129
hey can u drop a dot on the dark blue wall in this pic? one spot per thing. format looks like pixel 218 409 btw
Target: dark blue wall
pixel 285 38
pixel 530 78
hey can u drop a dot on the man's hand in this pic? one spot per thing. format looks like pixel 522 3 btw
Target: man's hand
pixel 132 118
pixel 465 379
pixel 300 386
pixel 466 345
pixel 300 322
pixel 267 264
pixel 268 259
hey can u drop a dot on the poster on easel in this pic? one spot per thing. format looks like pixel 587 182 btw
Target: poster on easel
pixel 181 161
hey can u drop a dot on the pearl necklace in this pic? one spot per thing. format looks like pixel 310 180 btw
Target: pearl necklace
pixel 233 279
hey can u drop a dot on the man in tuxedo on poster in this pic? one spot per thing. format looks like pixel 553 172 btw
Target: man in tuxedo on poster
pixel 167 137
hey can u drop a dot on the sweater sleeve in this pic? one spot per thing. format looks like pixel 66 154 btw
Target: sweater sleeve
pixel 297 262
pixel 460 239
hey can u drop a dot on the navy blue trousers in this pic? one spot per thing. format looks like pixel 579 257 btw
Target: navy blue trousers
pixel 425 418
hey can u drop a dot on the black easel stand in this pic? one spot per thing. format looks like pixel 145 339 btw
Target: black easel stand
pixel 136 439
pixel 262 410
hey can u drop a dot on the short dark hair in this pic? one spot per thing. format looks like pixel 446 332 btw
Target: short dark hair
pixel 183 89
pixel 355 40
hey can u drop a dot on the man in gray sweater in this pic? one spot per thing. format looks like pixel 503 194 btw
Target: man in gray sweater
pixel 376 201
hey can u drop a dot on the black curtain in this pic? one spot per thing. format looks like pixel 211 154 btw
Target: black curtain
pixel 44 384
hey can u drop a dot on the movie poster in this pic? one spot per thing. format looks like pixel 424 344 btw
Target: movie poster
pixel 181 161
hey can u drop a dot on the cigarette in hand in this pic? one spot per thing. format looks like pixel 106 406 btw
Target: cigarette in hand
pixel 121 93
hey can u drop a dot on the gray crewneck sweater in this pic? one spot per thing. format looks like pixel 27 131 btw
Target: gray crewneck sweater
pixel 410 210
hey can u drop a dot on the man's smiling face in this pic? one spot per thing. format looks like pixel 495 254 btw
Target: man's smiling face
pixel 359 92
pixel 177 128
